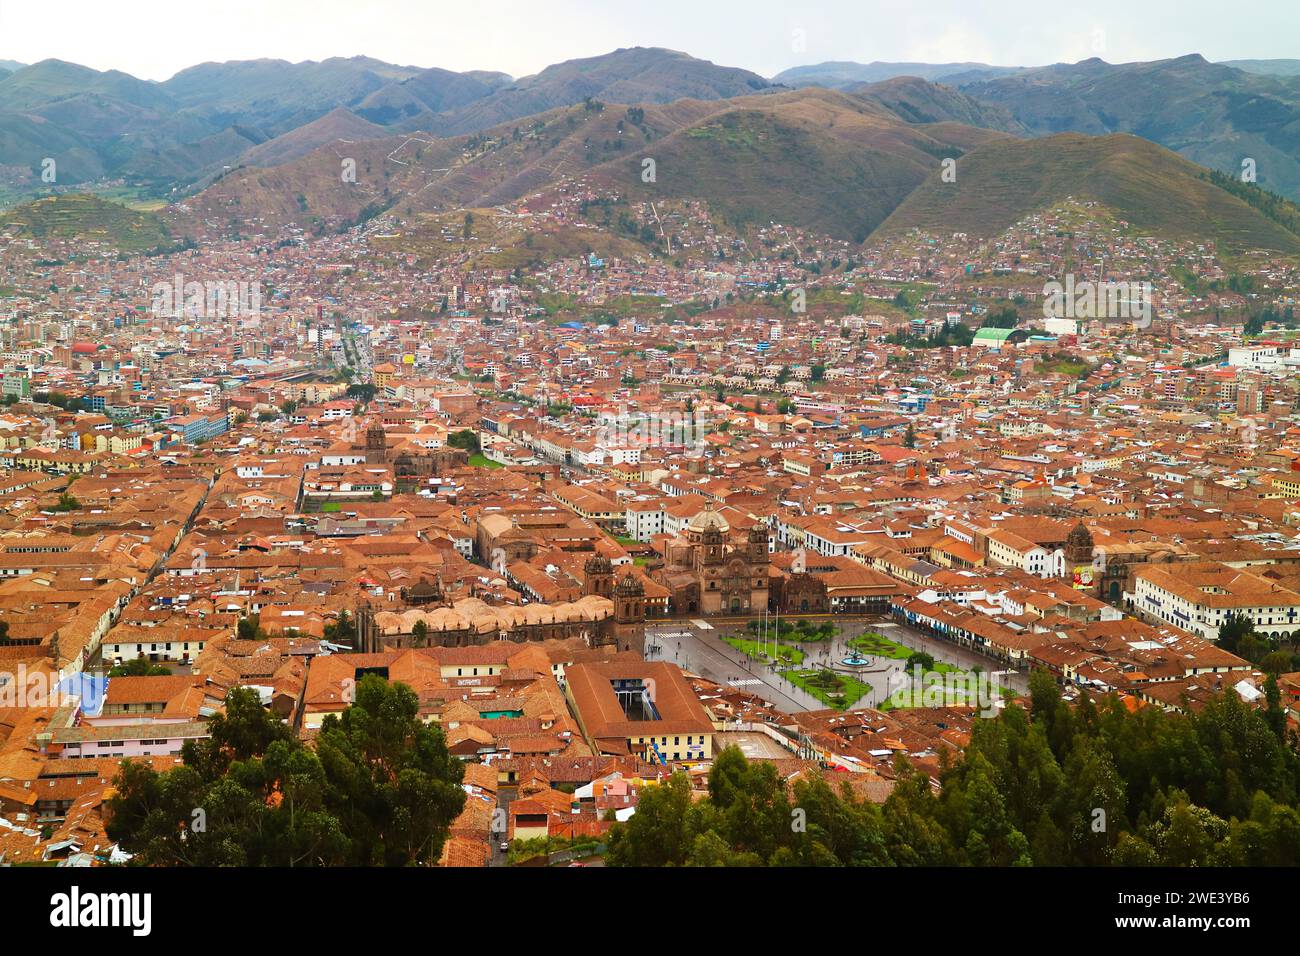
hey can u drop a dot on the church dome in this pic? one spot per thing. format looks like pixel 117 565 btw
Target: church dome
pixel 708 520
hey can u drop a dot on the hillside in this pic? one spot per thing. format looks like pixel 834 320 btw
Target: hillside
pixel 1212 114
pixel 1266 67
pixel 413 101
pixel 87 219
pixel 812 158
pixel 190 161
pixel 639 75
pixel 277 94
pixel 845 74
pixel 917 101
pixel 1153 189
pixel 421 173
pixel 25 140
pixel 338 124
pixel 51 80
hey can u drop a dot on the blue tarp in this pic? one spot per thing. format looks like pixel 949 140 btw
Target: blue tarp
pixel 89 688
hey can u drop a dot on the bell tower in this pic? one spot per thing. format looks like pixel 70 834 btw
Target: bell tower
pixel 598 576
pixel 629 611
pixel 376 445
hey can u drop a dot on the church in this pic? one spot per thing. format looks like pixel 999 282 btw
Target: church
pixel 709 571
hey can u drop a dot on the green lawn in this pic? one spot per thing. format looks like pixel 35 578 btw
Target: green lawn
pixel 832 689
pixel 799 631
pixel 879 646
pixel 753 650
pixel 478 460
pixel 952 697
pixel 910 697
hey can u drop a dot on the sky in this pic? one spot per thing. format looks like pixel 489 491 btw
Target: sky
pixel 153 39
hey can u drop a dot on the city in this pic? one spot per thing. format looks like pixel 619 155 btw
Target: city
pixel 646 463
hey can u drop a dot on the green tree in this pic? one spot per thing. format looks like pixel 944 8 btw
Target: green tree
pixel 1233 630
pixel 466 438
pixel 380 788
pixel 656 835
pixel 137 667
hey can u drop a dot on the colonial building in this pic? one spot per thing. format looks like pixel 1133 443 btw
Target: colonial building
pixel 707 574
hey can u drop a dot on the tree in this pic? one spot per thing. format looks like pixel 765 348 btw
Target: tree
pixel 1092 783
pixel 909 439
pixel 138 667
pixel 363 392
pixel 249 628
pixel 395 788
pixel 920 659
pixel 1233 630
pixel 656 835
pixel 466 438
pixel 380 788
pixel 67 503
pixel 468 228
pixel 420 634
pixel 342 630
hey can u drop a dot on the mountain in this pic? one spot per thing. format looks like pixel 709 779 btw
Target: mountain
pixel 845 74
pixel 26 140
pixel 635 75
pixel 199 160
pixel 338 124
pixel 1266 67
pixel 1213 114
pixel 1155 190
pixel 413 101
pixel 201 122
pixel 78 112
pixel 848 165
pixel 11 66
pixel 51 81
pixel 814 158
pixel 916 101
pixel 277 94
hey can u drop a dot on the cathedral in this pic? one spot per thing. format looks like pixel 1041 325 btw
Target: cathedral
pixel 708 573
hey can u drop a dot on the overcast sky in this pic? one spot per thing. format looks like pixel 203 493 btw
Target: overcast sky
pixel 156 38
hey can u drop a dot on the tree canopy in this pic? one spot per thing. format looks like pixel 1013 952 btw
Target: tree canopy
pixel 378 789
pixel 1092 784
